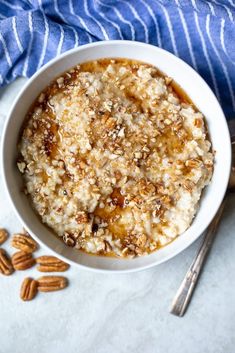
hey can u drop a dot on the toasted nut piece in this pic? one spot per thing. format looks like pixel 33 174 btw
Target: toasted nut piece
pixel 3 235
pixel 138 155
pixel 118 175
pixel 69 240
pixel 29 289
pixel 82 217
pixel 24 242
pixel 198 122
pixel 188 185
pixel 193 163
pixel 6 267
pixel 51 264
pixel 110 123
pixel 141 241
pixel 51 283
pixel 22 260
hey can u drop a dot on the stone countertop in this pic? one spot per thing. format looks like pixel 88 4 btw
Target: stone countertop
pixel 126 312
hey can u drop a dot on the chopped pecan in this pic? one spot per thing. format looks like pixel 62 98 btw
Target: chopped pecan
pixel 28 289
pixel 22 260
pixel 198 123
pixel 180 164
pixel 51 264
pixel 188 185
pixel 69 239
pixel 193 163
pixel 166 200
pixel 138 251
pixel 6 267
pixel 159 211
pixel 177 125
pixel 138 200
pixel 82 217
pixel 118 175
pixel 110 123
pixel 141 240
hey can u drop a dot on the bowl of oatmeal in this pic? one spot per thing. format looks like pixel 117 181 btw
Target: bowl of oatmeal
pixel 116 156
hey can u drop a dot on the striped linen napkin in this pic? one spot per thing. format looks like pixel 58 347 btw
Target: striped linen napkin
pixel 201 32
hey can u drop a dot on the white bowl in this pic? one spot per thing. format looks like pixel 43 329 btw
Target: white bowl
pixel 200 94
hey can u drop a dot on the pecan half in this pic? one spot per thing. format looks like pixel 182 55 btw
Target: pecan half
pixel 3 235
pixel 24 242
pixel 22 260
pixel 51 283
pixel 29 289
pixel 6 267
pixel 51 264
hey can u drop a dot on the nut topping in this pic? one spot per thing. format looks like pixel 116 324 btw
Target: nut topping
pixel 141 241
pixel 82 217
pixel 69 240
pixel 115 149
pixel 193 163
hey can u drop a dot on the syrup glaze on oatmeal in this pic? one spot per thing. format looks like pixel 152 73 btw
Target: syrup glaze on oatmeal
pixel 114 158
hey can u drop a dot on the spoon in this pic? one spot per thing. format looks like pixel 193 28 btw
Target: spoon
pixel 183 296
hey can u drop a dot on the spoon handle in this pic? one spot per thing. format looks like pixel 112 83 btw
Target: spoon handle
pixel 186 289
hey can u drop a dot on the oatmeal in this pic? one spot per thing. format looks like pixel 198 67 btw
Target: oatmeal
pixel 114 159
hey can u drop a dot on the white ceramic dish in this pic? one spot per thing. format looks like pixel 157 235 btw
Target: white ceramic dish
pixel 200 94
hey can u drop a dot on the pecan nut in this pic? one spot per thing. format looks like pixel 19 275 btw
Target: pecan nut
pixel 51 264
pixel 24 242
pixel 29 289
pixel 51 283
pixel 82 217
pixel 6 267
pixel 69 240
pixel 22 260
pixel 141 241
pixel 3 236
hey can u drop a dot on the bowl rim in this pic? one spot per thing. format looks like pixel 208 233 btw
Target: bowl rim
pixel 17 212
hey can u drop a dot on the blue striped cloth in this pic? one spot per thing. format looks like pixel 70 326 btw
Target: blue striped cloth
pixel 202 32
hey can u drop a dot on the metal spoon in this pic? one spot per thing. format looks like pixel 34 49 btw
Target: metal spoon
pixel 182 298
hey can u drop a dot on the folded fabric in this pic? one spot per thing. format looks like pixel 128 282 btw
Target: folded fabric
pixel 201 32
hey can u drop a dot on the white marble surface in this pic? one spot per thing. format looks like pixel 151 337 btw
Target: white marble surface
pixel 121 313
